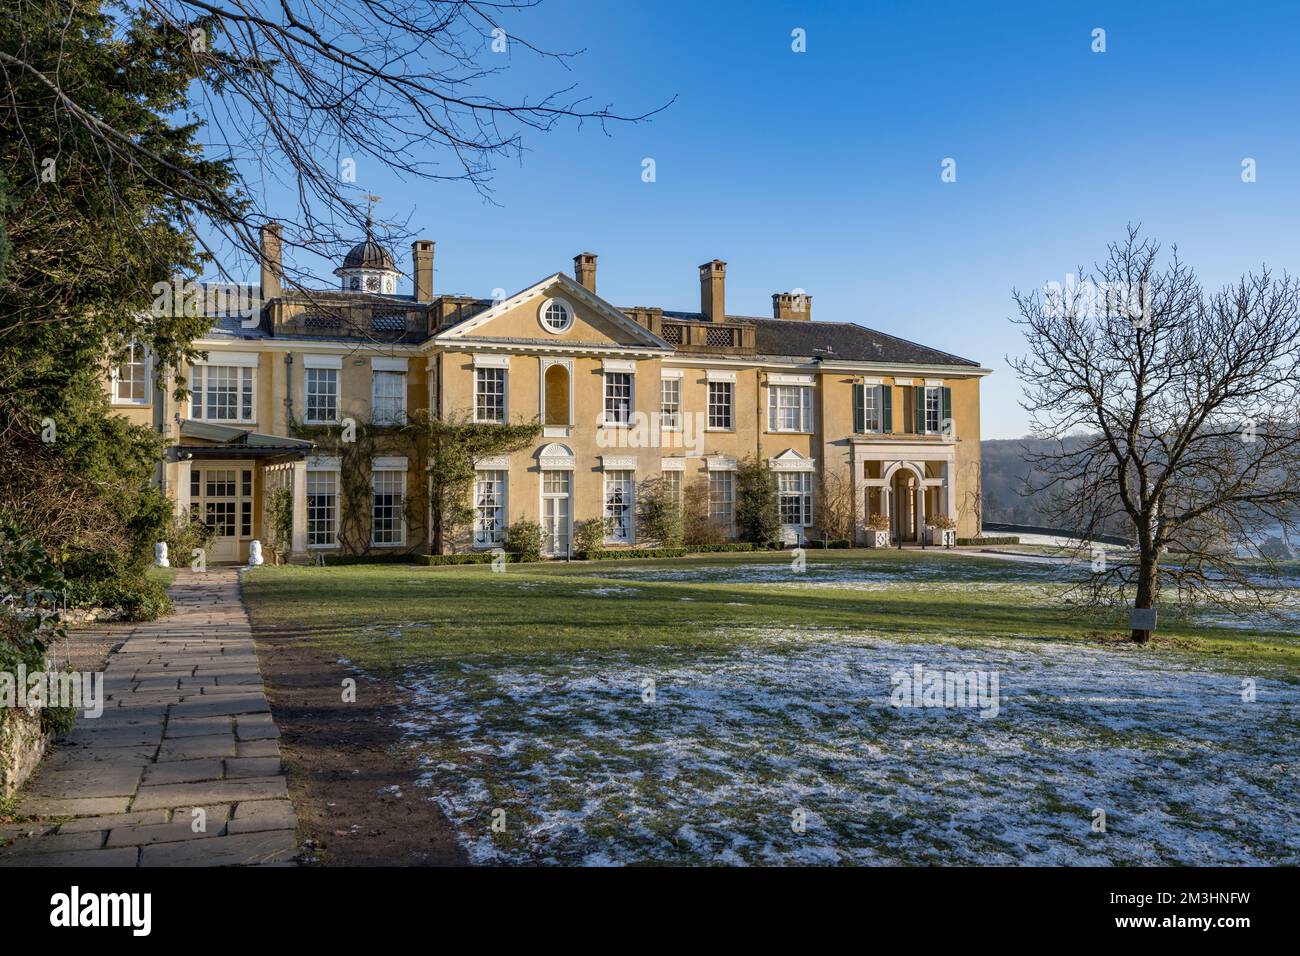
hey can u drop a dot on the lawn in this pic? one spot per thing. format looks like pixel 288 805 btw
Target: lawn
pixel 734 708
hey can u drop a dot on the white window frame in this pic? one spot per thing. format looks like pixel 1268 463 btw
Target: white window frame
pixel 616 379
pixel 388 409
pixel 872 408
pixel 145 362
pixel 313 377
pixel 558 303
pixel 315 474
pixel 245 394
pixel 789 403
pixel 554 497
pixel 728 517
pixel 797 485
pixel 620 497
pixel 715 408
pixel 482 373
pixel 385 475
pixel 670 404
pixel 493 482
pixel 933 396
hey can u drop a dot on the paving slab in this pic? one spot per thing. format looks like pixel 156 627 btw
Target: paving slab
pixel 259 815
pixel 193 748
pixel 186 726
pixel 84 824
pixel 237 767
pixel 241 849
pixel 214 791
pixel 183 771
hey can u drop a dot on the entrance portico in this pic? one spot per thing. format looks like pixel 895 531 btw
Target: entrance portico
pixel 224 477
pixel 908 482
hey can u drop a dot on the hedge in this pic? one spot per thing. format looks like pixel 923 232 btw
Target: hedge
pixel 136 599
pixel 833 543
pixel 465 557
pixel 404 557
pixel 615 554
pixel 1008 539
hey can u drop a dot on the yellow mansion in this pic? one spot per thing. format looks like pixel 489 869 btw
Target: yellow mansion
pixel 622 394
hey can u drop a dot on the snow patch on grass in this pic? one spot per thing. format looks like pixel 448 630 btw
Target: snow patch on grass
pixel 738 743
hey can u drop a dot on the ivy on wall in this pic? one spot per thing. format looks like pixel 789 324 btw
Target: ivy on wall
pixel 444 449
pixel 453 445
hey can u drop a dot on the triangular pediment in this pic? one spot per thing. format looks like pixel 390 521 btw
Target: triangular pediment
pixel 791 460
pixel 555 311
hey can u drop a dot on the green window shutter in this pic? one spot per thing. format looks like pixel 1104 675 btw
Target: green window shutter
pixel 947 412
pixel 918 408
pixel 887 408
pixel 859 411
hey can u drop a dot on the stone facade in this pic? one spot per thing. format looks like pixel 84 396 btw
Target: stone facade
pixel 622 394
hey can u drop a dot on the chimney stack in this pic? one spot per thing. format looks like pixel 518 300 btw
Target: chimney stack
pixel 584 270
pixel 272 266
pixel 792 305
pixel 422 267
pixel 713 290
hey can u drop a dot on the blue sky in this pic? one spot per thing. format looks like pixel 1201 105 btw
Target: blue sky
pixel 821 170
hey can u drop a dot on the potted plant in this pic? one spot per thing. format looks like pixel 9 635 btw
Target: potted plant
pixel 878 531
pixel 943 531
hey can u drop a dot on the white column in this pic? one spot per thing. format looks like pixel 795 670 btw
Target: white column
pixel 920 513
pixel 298 540
pixel 183 488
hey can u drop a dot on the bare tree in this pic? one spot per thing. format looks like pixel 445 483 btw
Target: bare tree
pixel 836 505
pixel 303 94
pixel 1182 407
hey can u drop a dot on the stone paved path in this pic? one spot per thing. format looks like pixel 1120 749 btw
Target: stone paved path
pixel 183 768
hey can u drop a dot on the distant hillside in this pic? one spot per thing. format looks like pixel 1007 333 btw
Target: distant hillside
pixel 1004 473
pixel 1005 470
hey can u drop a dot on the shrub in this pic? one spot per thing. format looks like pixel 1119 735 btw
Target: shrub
pixel 149 525
pixel 699 527
pixel 279 512
pixel 658 513
pixel 758 509
pixel 1008 539
pixel 184 535
pixel 617 554
pixel 134 598
pixel 589 536
pixel 724 546
pixel 524 538
pixel 836 543
pixel 878 522
pixel 404 557
pixel 942 522
pixel 465 557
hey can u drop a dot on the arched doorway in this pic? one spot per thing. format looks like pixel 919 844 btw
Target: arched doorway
pixel 903 478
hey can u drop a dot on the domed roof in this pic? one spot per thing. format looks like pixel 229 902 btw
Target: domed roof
pixel 368 255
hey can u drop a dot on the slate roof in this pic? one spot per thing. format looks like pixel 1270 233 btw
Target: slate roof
pixel 838 341
pixel 793 338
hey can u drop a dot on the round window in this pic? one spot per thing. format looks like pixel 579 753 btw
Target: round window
pixel 556 315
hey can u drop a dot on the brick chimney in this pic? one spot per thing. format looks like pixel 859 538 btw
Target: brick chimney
pixel 792 305
pixel 713 290
pixel 422 269
pixel 272 266
pixel 584 270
